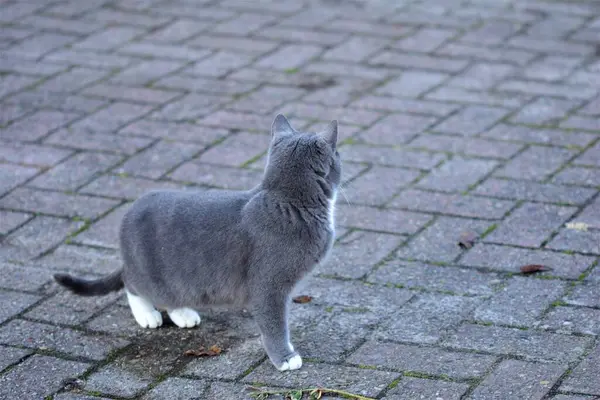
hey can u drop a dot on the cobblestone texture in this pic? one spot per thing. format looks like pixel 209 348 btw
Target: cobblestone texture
pixel 477 117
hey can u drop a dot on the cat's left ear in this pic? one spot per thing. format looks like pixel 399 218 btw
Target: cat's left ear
pixel 281 126
pixel 330 134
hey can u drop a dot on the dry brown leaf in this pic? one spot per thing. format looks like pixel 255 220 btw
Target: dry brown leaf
pixel 466 240
pixel 212 351
pixel 532 268
pixel 302 299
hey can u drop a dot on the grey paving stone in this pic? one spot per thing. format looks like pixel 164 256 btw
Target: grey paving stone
pixel 266 99
pixel 37 46
pixel 189 107
pixel 521 302
pixel 578 122
pixel 238 120
pixel 157 160
pixel 544 192
pixel 117 381
pixel 75 171
pixel 393 221
pixel 547 89
pixel 585 294
pixel 377 185
pixel 39 376
pixel 453 204
pixel 426 319
pixel 184 132
pixel 89 58
pixel 20 277
pixel 104 233
pixel 125 187
pixel 67 102
pixel 111 118
pixel 97 141
pixel 571 397
pixel 116 319
pixel 582 379
pixel 177 389
pixel 574 240
pixel 549 45
pixel 482 75
pixel 476 99
pixel 531 345
pixel 11 355
pixel 412 83
pixel 36 237
pixel 551 68
pixel 469 146
pixel 75 396
pixel 245 45
pixel 136 95
pixel 146 72
pixel 396 129
pixel 391 156
pixel 439 241
pixel 14 83
pixel 426 360
pixel 73 80
pixel 446 177
pixel 216 176
pixel 60 204
pixel 12 176
pixel 36 335
pixel 344 115
pixel 471 120
pixel 573 320
pixel 418 61
pixel 530 224
pixel 354 380
pixel 355 255
pixel 589 157
pixel 166 51
pixel 80 259
pixel 425 40
pixel 290 56
pixel 395 104
pixel 578 176
pixel 356 49
pixel 515 379
pixel 10 220
pixel 237 150
pixel 504 258
pixel 553 137
pixel 431 277
pixel 109 38
pixel 36 125
pixel 545 110
pixel 412 388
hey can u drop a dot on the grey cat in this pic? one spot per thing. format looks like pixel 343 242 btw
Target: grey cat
pixel 182 250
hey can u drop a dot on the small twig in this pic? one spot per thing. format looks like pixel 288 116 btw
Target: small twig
pixel 260 393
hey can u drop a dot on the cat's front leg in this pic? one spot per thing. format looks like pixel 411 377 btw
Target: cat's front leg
pixel 271 315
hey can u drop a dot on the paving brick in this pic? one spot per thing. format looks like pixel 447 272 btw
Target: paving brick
pixel 344 115
pixel 574 240
pixel 531 224
pixel 36 125
pixel 463 123
pixel 412 83
pixel 356 49
pixel 14 83
pixel 503 258
pixel 146 72
pixel 553 137
pixel 215 176
pixel 419 16
pixel 124 187
pixel 545 110
pixel 37 46
pixel 590 214
pixel 177 389
pixel 290 56
pixel 395 59
pixel 310 18
pixel 350 70
pixel 60 24
pixel 266 99
pixel 205 85
pixel 457 174
pixel 550 45
pixel 187 10
pixel 10 113
pixel 72 80
pixel 36 335
pixel 592 108
pixel 302 36
pixel 189 107
pixel 10 220
pixel 585 294
pixel 185 132
pixel 491 32
pixel 245 45
pixel 80 259
pixel 104 233
pixel 59 101
pixel 75 171
pixel 354 380
pixel 425 40
pixel 529 344
pixel 16 11
pixel 73 8
pixel 578 176
pixel 438 242
pixel 410 388
pixel 21 66
pixel 404 105
pixel 166 51
pixel 117 381
pixel 577 122
pixel 356 254
pixel 89 58
pixel 126 18
pixel 381 220
pixel 11 355
pixel 237 150
pixel 220 63
pixel 482 76
pixel 391 156
pixel 19 277
pixel 514 379
pixel 555 26
pixel 112 117
pixel 75 396
pixel 478 52
pixel 137 95
pixel 15 303
pixel 377 185
pixel 477 97
pixel 237 120
pixel 548 89
pixel 244 24
pixel 109 38
pixel 551 68
pixel 468 146
pixel 590 156
pixel 521 302
pixel 39 376
pixel 12 176
pixel 582 379
pixel 178 30
pixel 21 153
pixel 573 320
pixel 543 192
pixel 77 139
pixel 535 163
pixel 443 313
pixel 60 204
pixel 341 93
pixel 453 204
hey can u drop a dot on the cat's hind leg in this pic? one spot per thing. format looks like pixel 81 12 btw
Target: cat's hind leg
pixel 144 312
pixel 184 317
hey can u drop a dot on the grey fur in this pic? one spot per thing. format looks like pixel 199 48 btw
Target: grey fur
pixel 250 249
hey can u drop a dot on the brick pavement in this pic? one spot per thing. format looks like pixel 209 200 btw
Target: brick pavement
pixel 475 115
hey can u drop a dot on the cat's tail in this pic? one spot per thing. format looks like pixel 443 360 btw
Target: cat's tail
pixel 96 287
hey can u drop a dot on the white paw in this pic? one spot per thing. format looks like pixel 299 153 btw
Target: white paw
pixel 149 319
pixel 293 363
pixel 184 317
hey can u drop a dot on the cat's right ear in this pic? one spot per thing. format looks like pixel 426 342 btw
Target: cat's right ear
pixel 281 125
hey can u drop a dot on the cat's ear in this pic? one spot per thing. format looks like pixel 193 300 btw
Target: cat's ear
pixel 330 134
pixel 281 125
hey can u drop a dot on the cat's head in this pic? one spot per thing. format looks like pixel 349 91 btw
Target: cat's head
pixel 297 158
